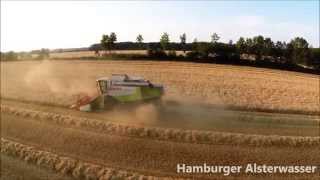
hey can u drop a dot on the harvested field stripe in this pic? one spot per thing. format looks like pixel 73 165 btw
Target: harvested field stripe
pixel 149 157
pixel 167 134
pixel 66 165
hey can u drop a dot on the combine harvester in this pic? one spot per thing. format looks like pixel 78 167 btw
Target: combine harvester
pixel 119 89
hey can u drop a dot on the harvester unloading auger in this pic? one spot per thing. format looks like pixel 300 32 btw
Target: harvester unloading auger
pixel 119 89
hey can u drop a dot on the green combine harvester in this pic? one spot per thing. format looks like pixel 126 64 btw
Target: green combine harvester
pixel 119 89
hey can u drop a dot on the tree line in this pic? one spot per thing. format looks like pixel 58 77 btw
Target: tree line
pixel 258 50
pixel 35 54
pixel 262 51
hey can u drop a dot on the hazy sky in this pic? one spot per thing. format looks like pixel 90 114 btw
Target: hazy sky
pixel 58 24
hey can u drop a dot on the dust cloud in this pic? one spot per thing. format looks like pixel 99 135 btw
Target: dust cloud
pixel 46 75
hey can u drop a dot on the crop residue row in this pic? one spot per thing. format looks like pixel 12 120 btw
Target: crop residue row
pixel 66 165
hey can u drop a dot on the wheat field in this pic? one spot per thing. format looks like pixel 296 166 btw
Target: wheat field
pixel 56 82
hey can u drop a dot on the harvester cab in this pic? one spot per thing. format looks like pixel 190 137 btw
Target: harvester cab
pixel 119 88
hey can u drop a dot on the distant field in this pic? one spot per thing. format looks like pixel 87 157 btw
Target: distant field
pixel 91 53
pixel 82 54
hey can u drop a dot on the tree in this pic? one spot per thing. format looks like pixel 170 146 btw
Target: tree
pixel 183 41
pixel 258 47
pixel 315 58
pixel 139 40
pixel 268 48
pixel 194 44
pixel 105 42
pixel 44 53
pixel 95 48
pixel 9 56
pixel 108 41
pixel 279 51
pixel 241 45
pixel 112 39
pixel 279 47
pixel 249 46
pixel 299 50
pixel 164 41
pixel 214 38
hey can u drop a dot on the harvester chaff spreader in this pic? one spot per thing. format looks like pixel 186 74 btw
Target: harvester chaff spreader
pixel 119 89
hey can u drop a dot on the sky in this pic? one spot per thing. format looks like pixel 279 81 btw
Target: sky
pixel 28 25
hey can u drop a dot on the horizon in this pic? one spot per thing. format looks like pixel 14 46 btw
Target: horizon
pixel 38 25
